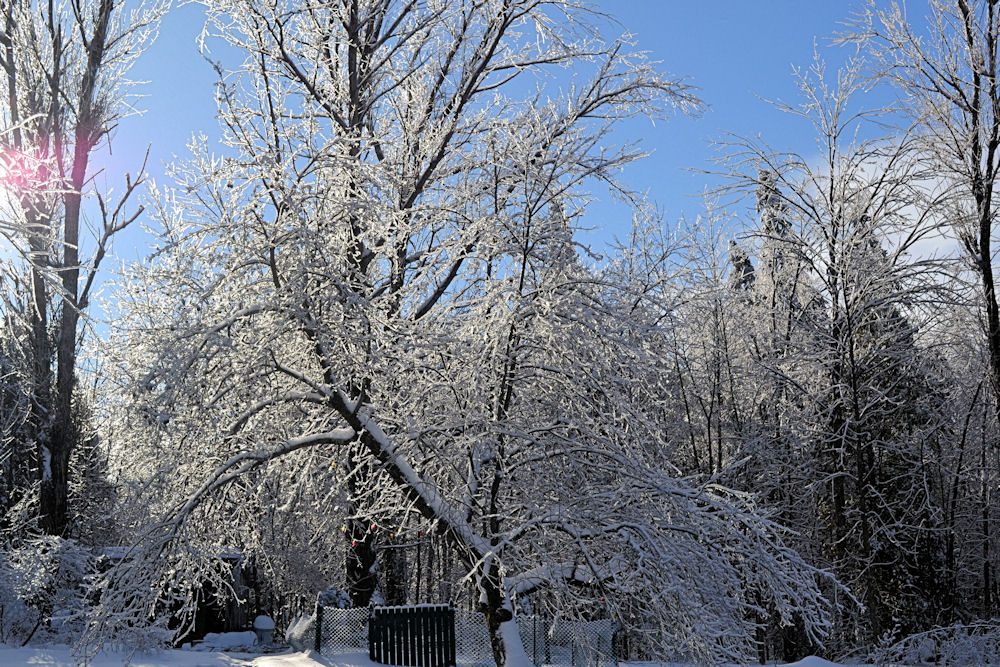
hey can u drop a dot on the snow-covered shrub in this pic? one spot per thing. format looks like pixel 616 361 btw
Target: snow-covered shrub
pixel 335 598
pixel 129 635
pixel 959 644
pixel 16 617
pixel 145 600
pixel 301 633
pixel 43 588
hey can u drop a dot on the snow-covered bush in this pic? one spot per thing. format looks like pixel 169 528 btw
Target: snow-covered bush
pixel 333 597
pixel 43 588
pixel 129 635
pixel 16 617
pixel 301 633
pixel 145 601
pixel 959 644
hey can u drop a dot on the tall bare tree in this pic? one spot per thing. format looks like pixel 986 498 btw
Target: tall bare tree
pixel 947 73
pixel 65 90
pixel 840 306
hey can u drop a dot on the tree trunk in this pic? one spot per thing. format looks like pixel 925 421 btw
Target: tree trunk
pixel 508 650
pixel 360 577
pixel 987 564
pixel 54 493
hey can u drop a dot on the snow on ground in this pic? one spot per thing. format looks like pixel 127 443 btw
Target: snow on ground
pixel 235 655
pixel 62 656
pixel 226 641
pixel 813 661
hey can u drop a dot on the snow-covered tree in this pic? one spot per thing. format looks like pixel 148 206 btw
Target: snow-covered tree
pixel 65 89
pixel 17 478
pixel 379 291
pixel 946 72
pixel 839 304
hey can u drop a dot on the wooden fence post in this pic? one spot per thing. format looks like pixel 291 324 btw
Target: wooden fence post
pixel 319 628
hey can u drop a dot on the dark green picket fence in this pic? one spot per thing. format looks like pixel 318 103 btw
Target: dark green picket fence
pixel 418 636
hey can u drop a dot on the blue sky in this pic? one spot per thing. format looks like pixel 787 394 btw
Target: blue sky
pixel 735 51
pixel 739 54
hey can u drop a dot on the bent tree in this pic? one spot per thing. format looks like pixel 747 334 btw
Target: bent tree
pixel 381 278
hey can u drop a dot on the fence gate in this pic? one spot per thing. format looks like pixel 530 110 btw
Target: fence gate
pixel 418 636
